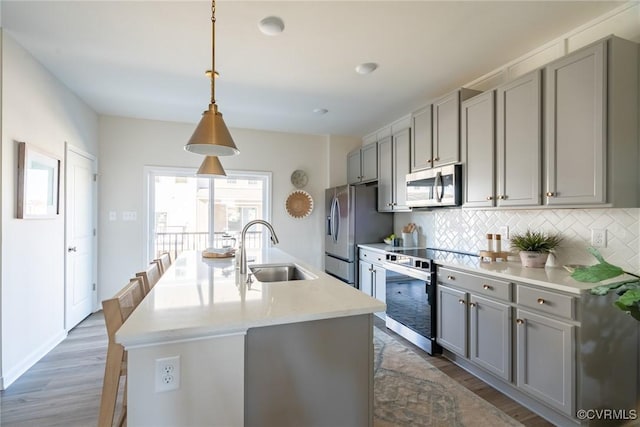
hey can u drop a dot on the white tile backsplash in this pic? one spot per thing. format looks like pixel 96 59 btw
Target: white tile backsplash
pixel 466 230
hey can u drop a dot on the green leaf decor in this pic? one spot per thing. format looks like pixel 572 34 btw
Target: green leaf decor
pixel 628 290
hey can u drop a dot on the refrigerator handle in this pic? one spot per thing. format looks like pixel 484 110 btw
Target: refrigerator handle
pixel 336 219
pixel 329 224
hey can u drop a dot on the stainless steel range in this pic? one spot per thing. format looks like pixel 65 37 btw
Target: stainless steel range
pixel 411 294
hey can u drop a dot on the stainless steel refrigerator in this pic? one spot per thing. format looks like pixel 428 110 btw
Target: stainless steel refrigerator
pixel 351 218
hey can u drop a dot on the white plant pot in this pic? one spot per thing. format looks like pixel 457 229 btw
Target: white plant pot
pixel 533 259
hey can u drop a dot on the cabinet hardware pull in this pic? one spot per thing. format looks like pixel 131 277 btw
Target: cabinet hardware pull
pixel 460 301
pixel 72 249
pixel 371 269
pixel 550 194
pixel 429 161
pixel 451 278
pixel 489 198
pixel 540 301
pixel 473 304
pixel 500 197
pixel 519 321
pixel 436 159
pixel 486 287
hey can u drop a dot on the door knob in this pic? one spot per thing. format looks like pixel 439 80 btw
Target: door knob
pixel 72 249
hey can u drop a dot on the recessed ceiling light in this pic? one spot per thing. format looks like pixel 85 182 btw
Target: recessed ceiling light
pixel 366 68
pixel 320 111
pixel 271 25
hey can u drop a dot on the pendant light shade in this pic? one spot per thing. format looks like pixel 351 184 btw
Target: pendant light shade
pixel 211 166
pixel 211 137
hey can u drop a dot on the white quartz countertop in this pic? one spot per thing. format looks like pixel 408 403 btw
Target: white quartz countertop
pixel 200 297
pixel 556 278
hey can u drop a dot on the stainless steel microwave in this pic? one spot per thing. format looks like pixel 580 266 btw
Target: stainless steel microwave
pixel 435 187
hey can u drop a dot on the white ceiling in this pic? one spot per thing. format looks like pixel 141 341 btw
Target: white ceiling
pixel 146 59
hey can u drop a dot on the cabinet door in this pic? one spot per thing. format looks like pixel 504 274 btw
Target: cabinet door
pixel 575 106
pixel 446 130
pixel 353 167
pixel 379 283
pixel 369 162
pixel 490 335
pixel 421 154
pixel 519 142
pixel 365 273
pixel 401 149
pixel 452 319
pixel 478 150
pixel 545 357
pixel 385 175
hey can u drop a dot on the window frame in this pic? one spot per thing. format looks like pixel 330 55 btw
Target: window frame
pixel 150 173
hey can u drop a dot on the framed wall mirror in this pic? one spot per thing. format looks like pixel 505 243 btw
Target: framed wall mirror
pixel 38 183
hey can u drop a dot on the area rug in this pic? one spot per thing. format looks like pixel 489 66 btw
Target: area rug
pixel 409 391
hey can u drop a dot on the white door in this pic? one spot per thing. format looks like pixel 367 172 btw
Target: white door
pixel 80 237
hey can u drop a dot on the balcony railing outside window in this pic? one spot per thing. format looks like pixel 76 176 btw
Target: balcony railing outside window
pixel 177 242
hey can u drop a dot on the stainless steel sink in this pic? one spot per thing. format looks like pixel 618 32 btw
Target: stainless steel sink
pixel 279 273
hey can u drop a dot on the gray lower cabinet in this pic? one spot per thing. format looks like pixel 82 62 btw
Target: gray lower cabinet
pixel 545 354
pixel 490 335
pixel 452 319
pixel 553 351
pixel 372 277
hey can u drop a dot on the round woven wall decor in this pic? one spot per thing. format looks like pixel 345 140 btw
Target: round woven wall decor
pixel 299 204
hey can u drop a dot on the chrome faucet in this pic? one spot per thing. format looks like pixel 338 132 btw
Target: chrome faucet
pixel 243 252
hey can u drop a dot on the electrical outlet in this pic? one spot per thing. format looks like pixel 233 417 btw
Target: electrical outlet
pixel 504 232
pixel 599 238
pixel 167 374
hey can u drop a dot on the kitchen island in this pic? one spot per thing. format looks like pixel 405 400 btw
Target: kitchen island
pixel 245 354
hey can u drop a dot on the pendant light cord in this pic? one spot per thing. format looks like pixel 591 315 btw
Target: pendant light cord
pixel 213 51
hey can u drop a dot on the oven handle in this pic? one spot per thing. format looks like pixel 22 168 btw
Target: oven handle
pixel 407 271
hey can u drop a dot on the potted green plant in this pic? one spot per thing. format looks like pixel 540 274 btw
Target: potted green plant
pixel 534 247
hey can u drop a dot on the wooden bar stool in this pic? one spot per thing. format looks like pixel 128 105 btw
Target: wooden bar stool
pixel 164 261
pixel 150 276
pixel 116 311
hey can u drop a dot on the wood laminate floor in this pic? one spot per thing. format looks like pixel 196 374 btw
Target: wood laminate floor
pixel 63 389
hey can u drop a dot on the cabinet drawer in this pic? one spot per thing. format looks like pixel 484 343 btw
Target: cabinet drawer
pixel 371 256
pixel 478 285
pixel 548 302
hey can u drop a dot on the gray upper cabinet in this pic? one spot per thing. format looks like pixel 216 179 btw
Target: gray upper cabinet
pixel 436 131
pixel 575 139
pixel 478 150
pixel 362 165
pixel 446 127
pixel 421 142
pixel 591 116
pixel 519 141
pixel 393 167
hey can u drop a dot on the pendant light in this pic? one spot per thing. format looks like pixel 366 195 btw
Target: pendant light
pixel 211 137
pixel 211 166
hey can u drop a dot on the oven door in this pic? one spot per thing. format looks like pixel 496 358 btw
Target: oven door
pixel 410 298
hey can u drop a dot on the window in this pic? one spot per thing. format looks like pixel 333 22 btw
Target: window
pixel 188 212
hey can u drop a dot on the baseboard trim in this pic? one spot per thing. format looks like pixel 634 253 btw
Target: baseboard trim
pixel 11 375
